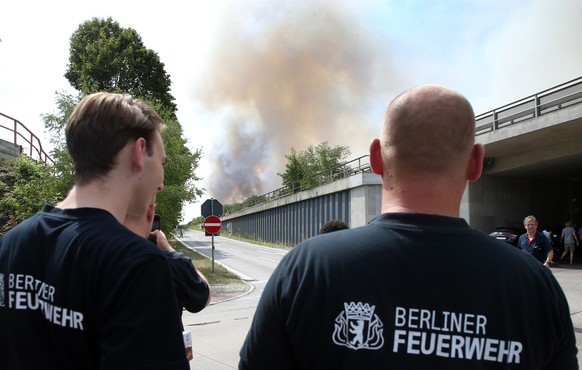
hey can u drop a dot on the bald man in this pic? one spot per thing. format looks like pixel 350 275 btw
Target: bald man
pixel 417 288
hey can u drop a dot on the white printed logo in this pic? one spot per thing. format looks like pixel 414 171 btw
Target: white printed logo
pixel 357 327
pixel 1 290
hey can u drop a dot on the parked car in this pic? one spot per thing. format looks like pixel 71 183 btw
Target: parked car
pixel 507 234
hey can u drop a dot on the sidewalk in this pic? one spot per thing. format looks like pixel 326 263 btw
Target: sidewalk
pixel 226 292
pixel 570 279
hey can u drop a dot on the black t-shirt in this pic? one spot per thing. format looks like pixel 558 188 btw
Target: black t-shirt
pixel 80 291
pixel 192 292
pixel 410 291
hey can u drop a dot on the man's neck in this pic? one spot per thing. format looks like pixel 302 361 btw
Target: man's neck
pixel 426 200
pixel 96 196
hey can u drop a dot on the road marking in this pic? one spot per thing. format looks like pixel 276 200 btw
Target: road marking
pixel 268 252
pixel 204 323
pixel 270 259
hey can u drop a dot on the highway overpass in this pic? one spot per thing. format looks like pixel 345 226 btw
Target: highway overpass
pixel 533 166
pixel 533 163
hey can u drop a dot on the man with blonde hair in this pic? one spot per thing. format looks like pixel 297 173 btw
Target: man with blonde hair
pixel 80 290
pixel 416 288
pixel 535 243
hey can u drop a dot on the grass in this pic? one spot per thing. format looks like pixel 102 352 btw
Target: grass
pixel 220 275
pixel 257 242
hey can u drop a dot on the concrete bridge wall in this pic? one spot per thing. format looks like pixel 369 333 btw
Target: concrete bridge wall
pixel 8 150
pixel 289 220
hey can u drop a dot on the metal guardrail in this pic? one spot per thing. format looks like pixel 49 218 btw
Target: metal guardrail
pixel 341 171
pixel 546 101
pixel 34 145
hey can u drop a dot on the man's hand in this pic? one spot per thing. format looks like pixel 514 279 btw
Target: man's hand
pixel 161 240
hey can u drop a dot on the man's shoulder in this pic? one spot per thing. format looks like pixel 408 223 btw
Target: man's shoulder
pixel 338 237
pixel 88 230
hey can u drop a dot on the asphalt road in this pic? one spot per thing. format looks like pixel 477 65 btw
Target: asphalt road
pixel 219 330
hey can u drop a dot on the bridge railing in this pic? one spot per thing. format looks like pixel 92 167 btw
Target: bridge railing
pixel 546 101
pixel 343 170
pixel 20 133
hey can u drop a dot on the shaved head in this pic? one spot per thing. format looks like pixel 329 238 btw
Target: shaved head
pixel 428 132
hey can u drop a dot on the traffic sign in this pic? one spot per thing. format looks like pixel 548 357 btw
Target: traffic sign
pixel 211 207
pixel 212 224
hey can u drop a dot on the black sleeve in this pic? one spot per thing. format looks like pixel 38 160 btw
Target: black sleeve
pixel 192 292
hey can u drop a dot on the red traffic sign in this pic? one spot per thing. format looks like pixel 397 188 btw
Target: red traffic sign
pixel 212 224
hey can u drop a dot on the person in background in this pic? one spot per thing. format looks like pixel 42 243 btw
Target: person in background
pixel 548 234
pixel 333 225
pixel 417 287
pixel 80 290
pixel 570 240
pixel 535 243
pixel 191 286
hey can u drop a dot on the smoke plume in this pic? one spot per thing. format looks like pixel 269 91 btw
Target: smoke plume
pixel 289 76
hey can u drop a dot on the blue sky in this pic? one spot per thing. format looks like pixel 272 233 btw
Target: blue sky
pixel 254 78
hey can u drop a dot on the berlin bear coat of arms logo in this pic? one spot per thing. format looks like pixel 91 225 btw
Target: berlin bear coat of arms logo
pixel 358 327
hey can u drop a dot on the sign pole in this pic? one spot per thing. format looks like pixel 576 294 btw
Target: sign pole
pixel 212 252
pixel 212 212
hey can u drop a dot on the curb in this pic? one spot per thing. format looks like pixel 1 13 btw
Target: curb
pixel 245 279
pixel 227 298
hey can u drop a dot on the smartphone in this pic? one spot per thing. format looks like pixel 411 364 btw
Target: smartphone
pixel 157 223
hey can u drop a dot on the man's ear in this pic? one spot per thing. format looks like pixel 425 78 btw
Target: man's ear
pixel 151 212
pixel 137 153
pixel 475 165
pixel 376 157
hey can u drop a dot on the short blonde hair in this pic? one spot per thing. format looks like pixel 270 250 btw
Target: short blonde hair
pixel 530 218
pixel 101 125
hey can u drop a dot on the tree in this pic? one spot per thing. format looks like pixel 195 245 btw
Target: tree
pixel 314 166
pixel 25 186
pixel 294 170
pixel 54 123
pixel 179 174
pixel 107 57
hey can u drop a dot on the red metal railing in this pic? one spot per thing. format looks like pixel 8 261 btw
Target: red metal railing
pixel 34 147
